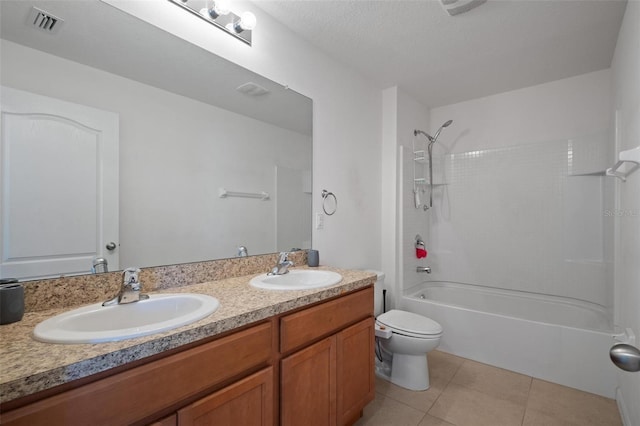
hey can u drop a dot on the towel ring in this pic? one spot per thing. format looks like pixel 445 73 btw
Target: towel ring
pixel 326 194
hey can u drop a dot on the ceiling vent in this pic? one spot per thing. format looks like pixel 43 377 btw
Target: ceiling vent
pixel 252 89
pixel 44 21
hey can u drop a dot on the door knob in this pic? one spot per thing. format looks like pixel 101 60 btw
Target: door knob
pixel 111 246
pixel 625 356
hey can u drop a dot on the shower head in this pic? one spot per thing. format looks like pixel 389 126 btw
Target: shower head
pixel 432 139
pixel 446 124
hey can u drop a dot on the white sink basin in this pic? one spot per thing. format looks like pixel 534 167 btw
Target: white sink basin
pixel 96 323
pixel 297 279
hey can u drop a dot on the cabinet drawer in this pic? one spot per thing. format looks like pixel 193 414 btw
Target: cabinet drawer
pixel 248 402
pixel 140 392
pixel 306 326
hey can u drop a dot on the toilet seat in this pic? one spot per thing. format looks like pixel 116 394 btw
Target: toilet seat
pixel 410 324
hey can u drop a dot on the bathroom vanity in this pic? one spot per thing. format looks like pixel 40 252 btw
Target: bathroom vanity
pixel 309 362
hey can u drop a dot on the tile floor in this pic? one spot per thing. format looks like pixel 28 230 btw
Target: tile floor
pixel 468 393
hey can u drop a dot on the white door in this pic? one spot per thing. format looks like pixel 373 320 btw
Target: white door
pixel 58 186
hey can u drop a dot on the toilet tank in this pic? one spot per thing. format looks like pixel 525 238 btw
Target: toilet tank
pixel 377 292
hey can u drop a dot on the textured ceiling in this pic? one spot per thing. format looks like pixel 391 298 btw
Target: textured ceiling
pixel 440 59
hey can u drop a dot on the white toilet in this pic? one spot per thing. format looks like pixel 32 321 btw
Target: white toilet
pixel 403 340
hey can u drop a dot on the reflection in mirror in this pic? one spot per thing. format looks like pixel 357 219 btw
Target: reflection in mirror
pixel 116 133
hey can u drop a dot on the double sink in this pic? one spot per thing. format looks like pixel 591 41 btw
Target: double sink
pixel 160 312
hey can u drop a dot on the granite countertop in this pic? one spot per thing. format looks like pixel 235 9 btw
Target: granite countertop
pixel 28 366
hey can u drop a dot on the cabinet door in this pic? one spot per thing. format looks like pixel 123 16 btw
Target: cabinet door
pixel 308 386
pixel 172 420
pixel 355 368
pixel 248 402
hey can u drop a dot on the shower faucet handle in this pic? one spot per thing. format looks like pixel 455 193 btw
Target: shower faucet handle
pixel 426 269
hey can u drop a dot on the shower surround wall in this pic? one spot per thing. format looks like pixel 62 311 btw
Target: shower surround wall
pixel 508 214
pixel 512 218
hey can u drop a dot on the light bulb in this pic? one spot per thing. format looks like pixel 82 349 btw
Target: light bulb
pixel 247 22
pixel 220 7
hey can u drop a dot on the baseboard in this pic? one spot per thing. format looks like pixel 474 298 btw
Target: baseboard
pixel 624 414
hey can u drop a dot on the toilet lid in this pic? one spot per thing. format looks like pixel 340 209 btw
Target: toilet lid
pixel 409 322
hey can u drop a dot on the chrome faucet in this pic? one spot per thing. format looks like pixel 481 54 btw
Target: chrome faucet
pixel 242 251
pixel 130 291
pixel 423 269
pixel 99 265
pixel 283 265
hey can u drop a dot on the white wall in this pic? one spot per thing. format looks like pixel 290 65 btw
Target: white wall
pixel 626 104
pixel 411 116
pixel 558 110
pixel 400 219
pixel 171 167
pixel 346 122
pixel 389 206
pixel 509 216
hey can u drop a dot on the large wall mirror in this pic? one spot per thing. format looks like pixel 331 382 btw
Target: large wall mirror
pixel 122 141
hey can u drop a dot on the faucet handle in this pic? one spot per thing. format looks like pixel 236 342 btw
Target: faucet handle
pixel 130 276
pixel 284 256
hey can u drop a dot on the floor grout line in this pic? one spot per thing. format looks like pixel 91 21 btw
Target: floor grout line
pixel 526 404
pixel 444 389
pixel 401 402
pixel 423 417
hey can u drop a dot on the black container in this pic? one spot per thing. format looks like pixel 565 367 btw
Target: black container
pixel 11 301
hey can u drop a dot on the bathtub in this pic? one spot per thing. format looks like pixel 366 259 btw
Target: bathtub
pixel 557 339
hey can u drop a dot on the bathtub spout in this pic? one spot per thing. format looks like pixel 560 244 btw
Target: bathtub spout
pixel 423 269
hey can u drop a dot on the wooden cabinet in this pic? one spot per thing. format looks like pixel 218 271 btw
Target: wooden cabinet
pixel 303 327
pixel 331 381
pixel 140 393
pixel 172 420
pixel 355 370
pixel 248 402
pixel 310 367
pixel 308 386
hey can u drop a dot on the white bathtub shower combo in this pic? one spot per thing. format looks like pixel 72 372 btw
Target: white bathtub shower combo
pixel 520 250
pixel 552 338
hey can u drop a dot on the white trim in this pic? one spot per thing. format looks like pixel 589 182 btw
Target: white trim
pixel 622 408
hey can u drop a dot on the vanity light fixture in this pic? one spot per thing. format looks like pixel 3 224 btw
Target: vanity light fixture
pixel 218 13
